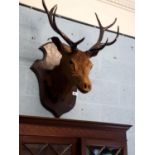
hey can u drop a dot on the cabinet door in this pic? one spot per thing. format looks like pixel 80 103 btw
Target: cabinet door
pixel 102 147
pixel 39 145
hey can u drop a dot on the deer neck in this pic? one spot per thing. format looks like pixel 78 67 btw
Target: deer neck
pixel 61 84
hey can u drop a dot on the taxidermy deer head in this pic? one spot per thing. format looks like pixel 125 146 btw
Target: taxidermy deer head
pixel 57 84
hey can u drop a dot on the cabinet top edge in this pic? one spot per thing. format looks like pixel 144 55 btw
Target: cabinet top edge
pixel 24 119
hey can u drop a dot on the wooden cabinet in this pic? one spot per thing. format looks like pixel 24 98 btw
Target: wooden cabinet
pixel 48 136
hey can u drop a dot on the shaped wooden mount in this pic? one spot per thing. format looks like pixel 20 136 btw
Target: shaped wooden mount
pixel 55 95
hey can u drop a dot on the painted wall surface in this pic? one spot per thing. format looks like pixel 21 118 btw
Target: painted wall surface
pixel 112 95
pixel 84 11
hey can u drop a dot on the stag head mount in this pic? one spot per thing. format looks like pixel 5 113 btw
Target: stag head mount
pixel 57 84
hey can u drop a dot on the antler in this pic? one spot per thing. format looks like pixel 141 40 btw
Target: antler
pixel 51 17
pixel 93 51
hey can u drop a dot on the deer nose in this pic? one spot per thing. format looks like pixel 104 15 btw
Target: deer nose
pixel 87 86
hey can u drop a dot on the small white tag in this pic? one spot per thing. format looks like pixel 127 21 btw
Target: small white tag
pixel 74 93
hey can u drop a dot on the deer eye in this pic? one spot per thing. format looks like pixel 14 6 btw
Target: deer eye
pixel 72 64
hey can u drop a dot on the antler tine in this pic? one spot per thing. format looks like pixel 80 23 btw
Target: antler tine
pixel 102 30
pixel 78 42
pixel 107 27
pixel 93 51
pixel 52 14
pixel 112 42
pixel 51 17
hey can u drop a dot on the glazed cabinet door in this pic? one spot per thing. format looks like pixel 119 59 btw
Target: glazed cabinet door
pixel 39 145
pixel 102 147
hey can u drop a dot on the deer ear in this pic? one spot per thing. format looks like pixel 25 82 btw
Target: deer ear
pixel 92 54
pixel 62 48
pixel 58 44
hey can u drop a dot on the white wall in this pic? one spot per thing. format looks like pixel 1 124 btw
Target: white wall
pixel 112 95
pixel 83 10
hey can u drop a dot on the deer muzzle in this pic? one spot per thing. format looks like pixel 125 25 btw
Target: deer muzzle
pixel 84 86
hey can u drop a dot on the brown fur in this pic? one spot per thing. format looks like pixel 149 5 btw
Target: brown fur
pixel 72 71
pixel 75 66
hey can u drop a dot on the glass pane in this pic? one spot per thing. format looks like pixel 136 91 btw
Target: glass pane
pixel 103 150
pixel 45 149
